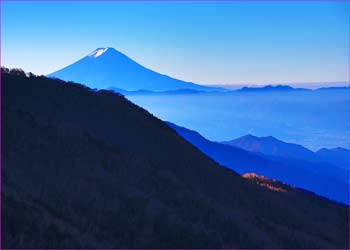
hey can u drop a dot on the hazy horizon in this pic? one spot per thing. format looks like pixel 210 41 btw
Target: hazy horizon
pixel 233 86
pixel 308 85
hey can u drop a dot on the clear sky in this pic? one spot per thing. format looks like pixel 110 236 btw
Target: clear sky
pixel 204 42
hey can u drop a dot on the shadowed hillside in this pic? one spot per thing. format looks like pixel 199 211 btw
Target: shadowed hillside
pixel 85 169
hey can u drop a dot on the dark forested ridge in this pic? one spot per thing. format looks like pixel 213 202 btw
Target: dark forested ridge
pixel 87 169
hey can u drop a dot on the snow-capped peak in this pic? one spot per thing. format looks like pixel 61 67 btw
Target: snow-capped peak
pixel 98 52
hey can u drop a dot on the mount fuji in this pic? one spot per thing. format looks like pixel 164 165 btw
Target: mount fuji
pixel 107 68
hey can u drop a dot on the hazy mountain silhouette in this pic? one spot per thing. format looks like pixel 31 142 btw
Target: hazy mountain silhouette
pixel 271 88
pixel 89 169
pixel 108 68
pixel 335 88
pixel 321 178
pixel 168 92
pixel 283 88
pixel 338 156
pixel 271 146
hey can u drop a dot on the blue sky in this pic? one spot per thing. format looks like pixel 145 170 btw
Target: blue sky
pixel 203 42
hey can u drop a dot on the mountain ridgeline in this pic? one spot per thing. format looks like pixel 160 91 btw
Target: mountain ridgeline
pixel 247 155
pixel 331 163
pixel 273 147
pixel 89 169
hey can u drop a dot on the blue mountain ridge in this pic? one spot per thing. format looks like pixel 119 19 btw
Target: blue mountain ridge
pixel 321 178
pixel 271 146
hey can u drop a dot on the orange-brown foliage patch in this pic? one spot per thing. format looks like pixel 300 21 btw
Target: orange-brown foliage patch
pixel 268 183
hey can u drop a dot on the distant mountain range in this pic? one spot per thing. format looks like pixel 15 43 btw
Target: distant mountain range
pixel 283 164
pixel 271 146
pixel 87 169
pixel 271 88
pixel 106 68
pixel 297 86
pixel 168 92
pixel 265 89
pixel 283 88
pixel 339 156
pixel 334 88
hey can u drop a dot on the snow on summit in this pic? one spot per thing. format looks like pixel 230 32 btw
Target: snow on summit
pixel 98 52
